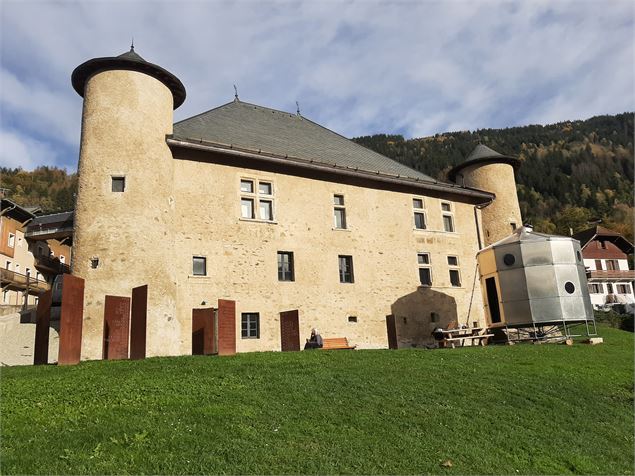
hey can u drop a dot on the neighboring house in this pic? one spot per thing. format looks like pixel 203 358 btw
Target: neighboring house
pixel 27 267
pixel 271 210
pixel 605 254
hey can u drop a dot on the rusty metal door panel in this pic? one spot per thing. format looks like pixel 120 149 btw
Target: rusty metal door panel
pixel 203 331
pixel 289 331
pixel 116 327
pixel 226 327
pixel 391 328
pixel 138 322
pixel 43 319
pixel 71 320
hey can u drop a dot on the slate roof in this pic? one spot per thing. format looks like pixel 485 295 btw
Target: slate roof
pixel 63 217
pixel 483 155
pixel 284 134
pixel 131 61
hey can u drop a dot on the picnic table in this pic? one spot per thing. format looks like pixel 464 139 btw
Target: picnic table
pixel 451 337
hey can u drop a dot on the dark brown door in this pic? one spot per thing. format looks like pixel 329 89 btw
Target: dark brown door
pixel 202 331
pixel 289 330
pixel 392 332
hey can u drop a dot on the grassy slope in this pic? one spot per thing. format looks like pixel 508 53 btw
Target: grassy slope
pixel 512 410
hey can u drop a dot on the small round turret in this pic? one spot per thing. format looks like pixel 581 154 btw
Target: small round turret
pixel 486 169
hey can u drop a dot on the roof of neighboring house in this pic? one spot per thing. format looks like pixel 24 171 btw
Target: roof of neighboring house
pixel 586 236
pixel 61 217
pixel 130 61
pixel 15 211
pixel 483 155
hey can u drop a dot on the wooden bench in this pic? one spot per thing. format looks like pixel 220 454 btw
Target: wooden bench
pixel 475 339
pixel 337 343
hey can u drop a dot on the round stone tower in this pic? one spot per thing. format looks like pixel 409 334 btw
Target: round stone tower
pixel 486 169
pixel 124 235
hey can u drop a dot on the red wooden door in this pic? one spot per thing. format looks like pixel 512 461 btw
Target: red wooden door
pixel 289 330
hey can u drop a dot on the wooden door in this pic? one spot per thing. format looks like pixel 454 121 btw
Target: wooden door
pixel 289 330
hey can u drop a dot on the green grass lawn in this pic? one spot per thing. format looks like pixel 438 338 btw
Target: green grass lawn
pixel 524 409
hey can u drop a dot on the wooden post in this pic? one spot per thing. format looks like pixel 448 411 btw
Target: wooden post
pixel 42 326
pixel 71 320
pixel 138 322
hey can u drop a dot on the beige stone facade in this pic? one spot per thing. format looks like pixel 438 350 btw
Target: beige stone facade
pixel 179 203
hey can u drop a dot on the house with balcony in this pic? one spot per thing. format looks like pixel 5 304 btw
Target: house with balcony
pixel 31 255
pixel 605 253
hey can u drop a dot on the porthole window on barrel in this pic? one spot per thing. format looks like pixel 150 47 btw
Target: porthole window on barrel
pixel 509 259
pixel 569 287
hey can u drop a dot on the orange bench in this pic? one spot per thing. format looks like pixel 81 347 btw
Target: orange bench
pixel 337 343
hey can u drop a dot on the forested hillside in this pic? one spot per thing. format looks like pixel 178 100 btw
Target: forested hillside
pixel 572 172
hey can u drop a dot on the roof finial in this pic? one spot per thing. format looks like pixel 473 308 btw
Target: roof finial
pixel 132 44
pixel 236 93
pixel 297 104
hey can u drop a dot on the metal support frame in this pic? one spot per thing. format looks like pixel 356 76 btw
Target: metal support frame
pixel 556 331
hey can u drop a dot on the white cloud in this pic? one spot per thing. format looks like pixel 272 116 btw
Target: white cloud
pixel 17 150
pixel 356 67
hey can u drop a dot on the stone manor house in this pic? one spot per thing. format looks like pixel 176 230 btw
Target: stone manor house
pixel 273 211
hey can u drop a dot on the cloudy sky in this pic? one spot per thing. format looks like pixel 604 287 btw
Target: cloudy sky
pixel 412 68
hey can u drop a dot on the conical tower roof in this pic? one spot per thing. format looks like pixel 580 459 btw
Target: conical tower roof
pixel 483 155
pixel 130 61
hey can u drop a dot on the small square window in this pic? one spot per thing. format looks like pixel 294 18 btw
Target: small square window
pixel 453 261
pixel 338 200
pixel 352 318
pixel 346 269
pixel 94 263
pixel 247 186
pixel 118 184
pixel 265 188
pixel 417 203
pixel 250 325
pixel 247 207
pixel 446 207
pixel 423 258
pixel 199 266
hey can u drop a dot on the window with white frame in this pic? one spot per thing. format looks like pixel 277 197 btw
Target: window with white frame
pixel 419 213
pixel 250 325
pixel 609 288
pixel 425 271
pixel 256 199
pixel 339 212
pixel 455 273
pixel 448 216
pixel 623 289
pixel 11 241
